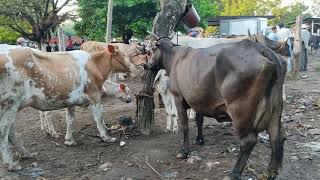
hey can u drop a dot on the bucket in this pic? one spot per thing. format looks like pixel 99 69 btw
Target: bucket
pixel 190 17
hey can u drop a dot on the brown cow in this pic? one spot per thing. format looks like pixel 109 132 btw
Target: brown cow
pixel 51 81
pixel 238 81
pixel 130 51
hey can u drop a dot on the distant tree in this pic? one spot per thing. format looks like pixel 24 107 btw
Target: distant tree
pixel 130 17
pixel 206 9
pixel 41 15
pixel 316 8
pixel 238 7
pixel 7 36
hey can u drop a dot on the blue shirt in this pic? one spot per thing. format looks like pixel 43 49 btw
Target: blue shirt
pixel 273 36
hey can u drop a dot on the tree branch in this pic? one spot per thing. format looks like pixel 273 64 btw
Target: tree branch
pixel 21 31
pixel 47 8
pixel 63 5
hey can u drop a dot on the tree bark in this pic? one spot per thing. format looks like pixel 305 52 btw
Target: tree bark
pixel 297 47
pixel 109 21
pixel 61 37
pixel 163 25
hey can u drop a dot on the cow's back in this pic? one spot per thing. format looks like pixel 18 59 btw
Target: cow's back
pixel 206 76
pixel 50 80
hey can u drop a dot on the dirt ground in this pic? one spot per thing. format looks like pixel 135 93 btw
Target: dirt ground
pixel 54 160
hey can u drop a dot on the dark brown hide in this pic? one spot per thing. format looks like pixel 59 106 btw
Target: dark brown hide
pixel 238 81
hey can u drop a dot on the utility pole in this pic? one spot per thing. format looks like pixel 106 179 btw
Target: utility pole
pixel 297 47
pixel 109 21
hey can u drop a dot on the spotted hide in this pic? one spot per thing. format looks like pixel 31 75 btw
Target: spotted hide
pixel 51 81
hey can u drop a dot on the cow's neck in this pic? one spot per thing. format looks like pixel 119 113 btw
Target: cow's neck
pixel 170 57
pixel 118 66
pixel 167 57
pixel 103 63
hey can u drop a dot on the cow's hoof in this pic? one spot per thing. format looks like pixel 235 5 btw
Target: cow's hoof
pixel 200 141
pixel 183 155
pixel 268 175
pixel 230 177
pixel 226 178
pixel 54 135
pixel 175 131
pixel 70 142
pixel 14 166
pixel 109 139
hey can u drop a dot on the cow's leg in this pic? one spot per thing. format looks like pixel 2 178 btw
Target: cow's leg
pixel 184 128
pixel 277 138
pixel 199 121
pixel 169 121
pixel 192 115
pixel 161 104
pixel 49 120
pixel 7 119
pixel 247 142
pixel 96 110
pixel 242 122
pixel 174 117
pixel 175 127
pixel 43 121
pixel 69 140
pixel 15 142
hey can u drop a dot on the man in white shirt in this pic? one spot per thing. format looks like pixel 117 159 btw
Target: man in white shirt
pixel 305 36
pixel 284 34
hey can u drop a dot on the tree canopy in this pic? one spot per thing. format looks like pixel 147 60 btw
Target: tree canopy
pixel 40 15
pixel 129 17
pixel 134 17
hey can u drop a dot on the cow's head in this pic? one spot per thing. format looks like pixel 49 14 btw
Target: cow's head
pixel 120 60
pixel 160 50
pixel 134 56
pixel 281 48
pixel 120 91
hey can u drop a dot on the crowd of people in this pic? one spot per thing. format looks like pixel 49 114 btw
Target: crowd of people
pixel 286 34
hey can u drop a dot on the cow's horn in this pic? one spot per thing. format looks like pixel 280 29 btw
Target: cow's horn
pixel 153 35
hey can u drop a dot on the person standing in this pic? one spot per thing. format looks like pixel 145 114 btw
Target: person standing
pixel 48 47
pixel 284 34
pixel 56 47
pixel 305 36
pixel 273 35
pixel 69 44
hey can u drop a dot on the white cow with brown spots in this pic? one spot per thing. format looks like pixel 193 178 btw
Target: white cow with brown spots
pixel 109 90
pixel 51 81
pixel 161 83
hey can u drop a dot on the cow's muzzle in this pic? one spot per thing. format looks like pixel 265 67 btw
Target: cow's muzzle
pixel 129 99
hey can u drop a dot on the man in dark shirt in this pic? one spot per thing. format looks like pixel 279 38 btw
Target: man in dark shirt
pixel 48 47
pixel 56 47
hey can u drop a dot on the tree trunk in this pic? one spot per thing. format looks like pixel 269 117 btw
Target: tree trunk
pixel 109 21
pixel 61 37
pixel 163 25
pixel 297 47
pixel 42 44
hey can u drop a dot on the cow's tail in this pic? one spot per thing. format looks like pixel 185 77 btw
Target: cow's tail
pixel 274 95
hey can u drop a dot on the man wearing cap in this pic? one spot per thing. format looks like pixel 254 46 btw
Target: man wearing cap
pixel 305 36
pixel 284 34
pixel 22 42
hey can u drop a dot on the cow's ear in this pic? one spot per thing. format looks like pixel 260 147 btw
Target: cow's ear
pixel 112 48
pixel 122 87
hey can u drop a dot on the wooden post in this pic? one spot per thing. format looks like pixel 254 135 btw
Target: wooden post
pixel 61 38
pixel 163 25
pixel 297 47
pixel 312 27
pixel 109 21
